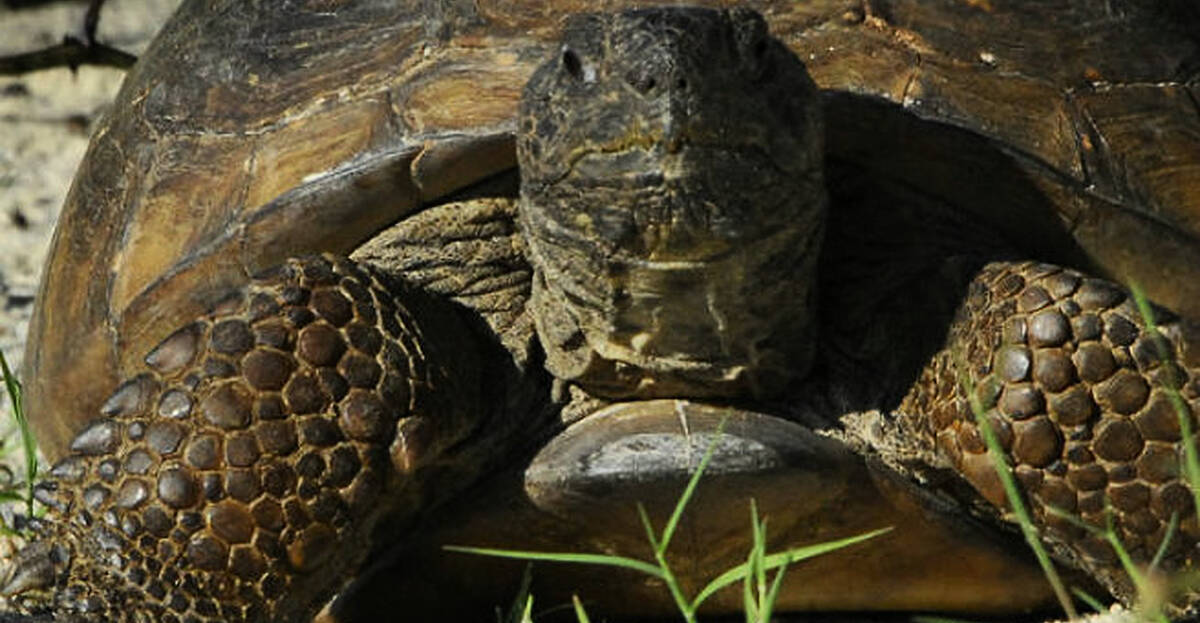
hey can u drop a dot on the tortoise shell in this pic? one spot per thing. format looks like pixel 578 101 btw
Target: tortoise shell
pixel 244 136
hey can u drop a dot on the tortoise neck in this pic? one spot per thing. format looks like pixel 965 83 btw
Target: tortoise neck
pixel 739 324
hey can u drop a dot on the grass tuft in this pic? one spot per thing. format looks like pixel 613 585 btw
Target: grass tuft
pixel 580 613
pixel 759 595
pixel 522 605
pixel 20 492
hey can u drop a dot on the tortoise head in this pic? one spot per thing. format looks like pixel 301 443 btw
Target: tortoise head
pixel 673 205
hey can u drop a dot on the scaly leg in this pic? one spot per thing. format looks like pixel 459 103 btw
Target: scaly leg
pixel 240 477
pixel 1076 388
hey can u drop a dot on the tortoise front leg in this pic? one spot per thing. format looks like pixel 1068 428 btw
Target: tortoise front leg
pixel 241 476
pixel 1076 387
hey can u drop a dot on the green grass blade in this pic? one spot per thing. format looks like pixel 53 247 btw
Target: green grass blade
pixel 752 583
pixel 1075 521
pixel 1149 610
pixel 673 522
pixel 781 558
pixel 585 559
pixel 527 612
pixel 522 601
pixel 580 613
pixel 1168 536
pixel 649 527
pixel 996 455
pixel 758 551
pixel 31 463
pixel 1135 574
pixel 768 604
pixel 748 606
pixel 11 496
pixel 1091 602
pixel 1191 458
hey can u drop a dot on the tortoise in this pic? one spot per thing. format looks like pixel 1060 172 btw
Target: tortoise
pixel 245 430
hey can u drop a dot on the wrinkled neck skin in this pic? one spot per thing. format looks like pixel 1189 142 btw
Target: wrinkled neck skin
pixel 673 206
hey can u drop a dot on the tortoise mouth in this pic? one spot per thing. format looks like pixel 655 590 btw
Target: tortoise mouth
pixel 666 165
pixel 661 207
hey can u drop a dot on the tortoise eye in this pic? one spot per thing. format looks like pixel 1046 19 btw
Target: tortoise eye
pixel 571 63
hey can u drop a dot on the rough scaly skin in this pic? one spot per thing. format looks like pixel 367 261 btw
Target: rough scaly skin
pixel 244 471
pixel 1075 386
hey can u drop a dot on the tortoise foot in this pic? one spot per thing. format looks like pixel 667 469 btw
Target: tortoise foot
pixel 240 476
pixel 1077 388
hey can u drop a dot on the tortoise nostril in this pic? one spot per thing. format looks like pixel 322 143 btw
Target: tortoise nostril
pixel 760 49
pixel 641 82
pixel 681 83
pixel 571 63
